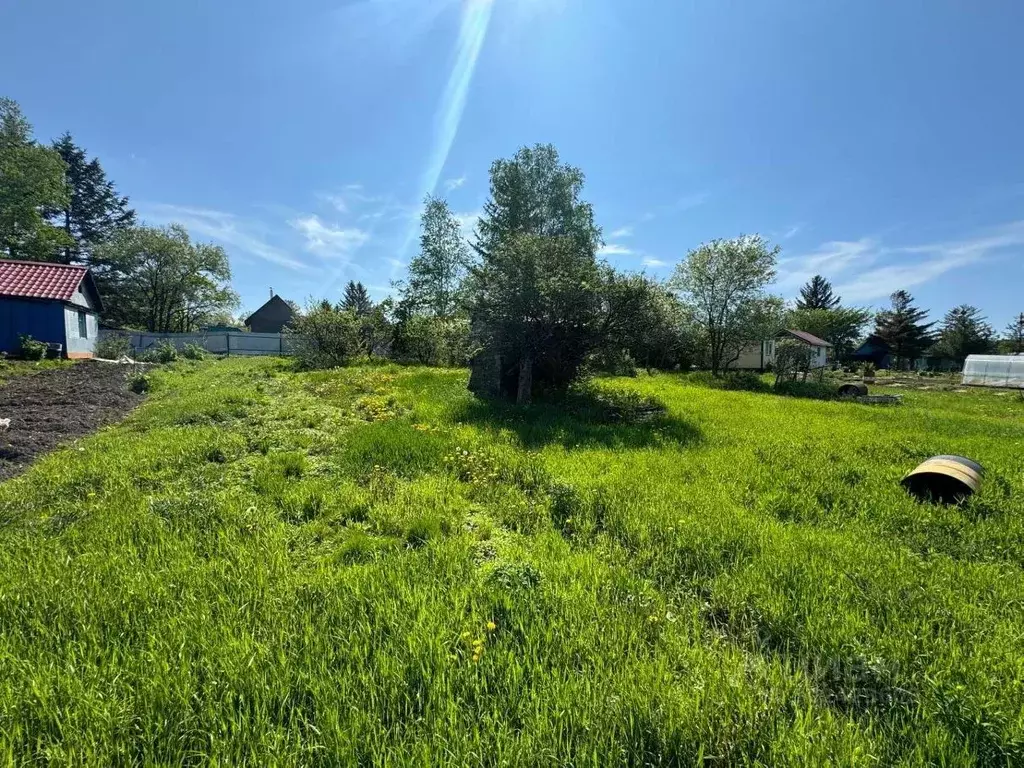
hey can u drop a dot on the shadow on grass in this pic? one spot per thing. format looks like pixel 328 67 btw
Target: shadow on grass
pixel 582 420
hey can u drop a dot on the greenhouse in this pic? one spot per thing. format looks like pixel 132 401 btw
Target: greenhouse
pixel 994 371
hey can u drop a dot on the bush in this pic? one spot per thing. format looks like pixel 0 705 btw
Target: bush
pixel 326 337
pixel 114 346
pixel 433 340
pixel 193 352
pixel 139 382
pixel 32 349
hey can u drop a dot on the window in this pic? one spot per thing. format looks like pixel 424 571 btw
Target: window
pixel 83 326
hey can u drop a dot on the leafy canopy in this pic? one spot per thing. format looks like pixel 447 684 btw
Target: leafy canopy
pixel 31 182
pixel 723 282
pixel 157 279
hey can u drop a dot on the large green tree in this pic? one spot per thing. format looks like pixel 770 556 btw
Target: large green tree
pixel 903 329
pixel 158 279
pixel 93 211
pixel 536 291
pixel 534 193
pixel 31 182
pixel 724 283
pixel 437 273
pixel 645 323
pixel 964 332
pixel 357 299
pixel 817 294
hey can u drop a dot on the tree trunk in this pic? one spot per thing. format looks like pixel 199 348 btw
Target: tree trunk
pixel 525 390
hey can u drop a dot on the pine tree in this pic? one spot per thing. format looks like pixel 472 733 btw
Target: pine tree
pixel 964 332
pixel 31 181
pixel 1015 334
pixel 817 294
pixel 902 329
pixel 357 299
pixel 94 212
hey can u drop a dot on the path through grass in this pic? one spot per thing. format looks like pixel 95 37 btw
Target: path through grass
pixel 368 566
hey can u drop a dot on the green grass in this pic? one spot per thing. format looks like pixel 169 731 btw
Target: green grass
pixel 368 566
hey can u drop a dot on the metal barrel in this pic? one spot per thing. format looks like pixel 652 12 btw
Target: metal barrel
pixel 945 479
pixel 856 389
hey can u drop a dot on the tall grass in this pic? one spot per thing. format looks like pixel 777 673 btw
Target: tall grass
pixel 367 566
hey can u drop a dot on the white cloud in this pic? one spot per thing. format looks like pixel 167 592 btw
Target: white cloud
pixel 792 231
pixel 339 203
pixel 224 228
pixel 621 232
pixel 453 184
pixel 328 241
pixel 612 249
pixel 866 269
pixel 649 262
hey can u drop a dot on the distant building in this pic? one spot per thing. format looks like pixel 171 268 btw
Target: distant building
pixel 874 351
pixel 757 357
pixel 272 317
pixel 53 303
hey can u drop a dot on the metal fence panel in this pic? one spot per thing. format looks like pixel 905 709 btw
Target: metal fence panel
pixel 215 343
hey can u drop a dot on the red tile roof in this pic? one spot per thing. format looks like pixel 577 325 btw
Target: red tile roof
pixel 40 280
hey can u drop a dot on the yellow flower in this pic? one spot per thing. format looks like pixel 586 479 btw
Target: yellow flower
pixel 491 626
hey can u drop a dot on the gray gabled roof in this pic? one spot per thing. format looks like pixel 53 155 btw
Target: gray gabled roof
pixel 275 310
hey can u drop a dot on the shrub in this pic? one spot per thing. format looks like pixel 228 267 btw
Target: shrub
pixel 114 346
pixel 193 352
pixel 32 349
pixel 139 382
pixel 433 340
pixel 164 352
pixel 326 337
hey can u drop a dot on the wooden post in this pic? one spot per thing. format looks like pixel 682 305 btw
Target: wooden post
pixel 228 336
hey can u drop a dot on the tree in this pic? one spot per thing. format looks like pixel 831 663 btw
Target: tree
pixel 963 332
pixel 357 299
pixel 817 294
pixel 1014 341
pixel 159 280
pixel 644 324
pixel 792 357
pixel 31 181
pixel 325 336
pixel 93 212
pixel 840 326
pixel 902 329
pixel 723 282
pixel 534 193
pixel 535 295
pixel 437 273
pixel 537 304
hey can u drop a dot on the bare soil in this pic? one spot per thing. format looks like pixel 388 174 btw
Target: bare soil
pixel 51 407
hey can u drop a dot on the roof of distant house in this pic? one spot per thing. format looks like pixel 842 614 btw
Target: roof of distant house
pixel 43 280
pixel 809 338
pixel 275 304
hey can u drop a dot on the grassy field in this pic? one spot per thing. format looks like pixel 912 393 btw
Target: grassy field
pixel 368 566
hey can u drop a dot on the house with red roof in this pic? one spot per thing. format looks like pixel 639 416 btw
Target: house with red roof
pixel 54 303
pixel 758 356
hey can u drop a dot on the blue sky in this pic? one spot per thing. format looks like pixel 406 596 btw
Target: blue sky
pixel 879 142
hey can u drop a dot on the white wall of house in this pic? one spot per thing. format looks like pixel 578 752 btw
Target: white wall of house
pixel 755 356
pixel 77 343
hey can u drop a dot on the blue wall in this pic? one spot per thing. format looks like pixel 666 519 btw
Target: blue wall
pixel 42 320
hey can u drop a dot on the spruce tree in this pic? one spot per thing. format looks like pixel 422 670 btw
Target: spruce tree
pixel 902 328
pixel 817 294
pixel 357 299
pixel 93 212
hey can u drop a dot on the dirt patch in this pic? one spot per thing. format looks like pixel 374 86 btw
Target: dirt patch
pixel 52 407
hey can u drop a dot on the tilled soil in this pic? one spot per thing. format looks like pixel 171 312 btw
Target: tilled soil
pixel 52 407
